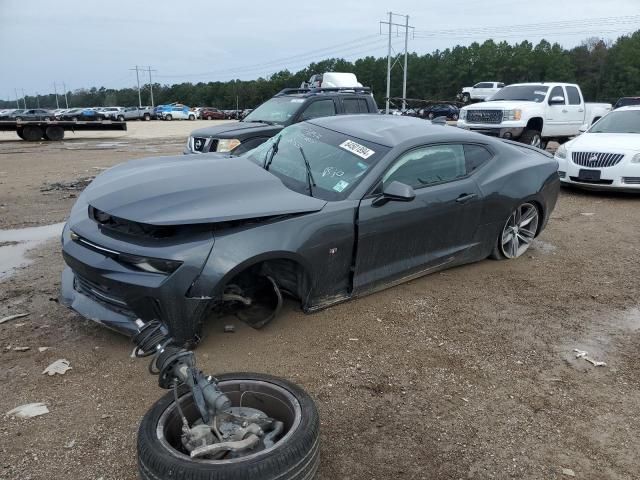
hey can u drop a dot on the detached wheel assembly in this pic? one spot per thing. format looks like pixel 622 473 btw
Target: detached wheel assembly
pixel 32 133
pixel 54 133
pixel 287 450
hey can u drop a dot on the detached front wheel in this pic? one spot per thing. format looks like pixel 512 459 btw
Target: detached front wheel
pixel 294 455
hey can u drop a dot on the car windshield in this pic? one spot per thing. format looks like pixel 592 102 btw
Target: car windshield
pixel 525 93
pixel 623 102
pixel 278 110
pixel 618 122
pixel 337 161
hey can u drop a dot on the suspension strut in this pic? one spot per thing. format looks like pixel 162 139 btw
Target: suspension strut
pixel 176 365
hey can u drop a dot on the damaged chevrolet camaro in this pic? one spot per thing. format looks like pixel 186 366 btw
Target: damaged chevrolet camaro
pixel 328 210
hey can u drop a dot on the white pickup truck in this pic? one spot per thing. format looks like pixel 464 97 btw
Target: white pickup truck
pixel 480 91
pixel 533 113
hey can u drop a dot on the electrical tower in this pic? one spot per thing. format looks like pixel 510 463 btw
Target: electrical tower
pixel 399 26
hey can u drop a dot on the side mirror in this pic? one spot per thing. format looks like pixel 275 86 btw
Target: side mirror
pixel 556 100
pixel 395 192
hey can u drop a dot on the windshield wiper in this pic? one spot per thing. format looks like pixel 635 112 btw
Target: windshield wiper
pixel 310 180
pixel 271 153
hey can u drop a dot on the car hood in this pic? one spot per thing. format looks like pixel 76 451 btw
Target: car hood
pixel 499 105
pixel 175 191
pixel 606 142
pixel 228 130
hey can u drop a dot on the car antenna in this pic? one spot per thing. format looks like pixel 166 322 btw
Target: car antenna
pixel 310 180
pixel 274 150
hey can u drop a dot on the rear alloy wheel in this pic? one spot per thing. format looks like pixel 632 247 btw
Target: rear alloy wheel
pixel 120 118
pixel 168 117
pixel 531 137
pixel 518 233
pixel 192 117
pixel 289 452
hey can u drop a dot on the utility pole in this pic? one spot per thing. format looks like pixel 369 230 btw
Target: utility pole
pixel 391 64
pixel 17 101
pixel 24 98
pixel 66 102
pixel 37 99
pixel 150 85
pixel 138 78
pixel 56 92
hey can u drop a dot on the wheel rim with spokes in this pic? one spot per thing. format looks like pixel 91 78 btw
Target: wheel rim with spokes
pixel 536 141
pixel 519 231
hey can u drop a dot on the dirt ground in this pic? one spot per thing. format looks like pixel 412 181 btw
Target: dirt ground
pixel 469 373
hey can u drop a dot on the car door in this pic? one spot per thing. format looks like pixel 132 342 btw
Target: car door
pixel 398 239
pixel 556 119
pixel 324 107
pixel 575 107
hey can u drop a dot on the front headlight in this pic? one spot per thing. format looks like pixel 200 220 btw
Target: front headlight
pixel 636 158
pixel 151 265
pixel 227 144
pixel 463 114
pixel 561 152
pixel 515 114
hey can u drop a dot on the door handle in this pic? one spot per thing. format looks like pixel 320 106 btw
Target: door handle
pixel 465 197
pixel 565 111
pixel 581 110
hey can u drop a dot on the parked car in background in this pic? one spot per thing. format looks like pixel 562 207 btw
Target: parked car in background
pixel 82 114
pixel 210 113
pixel 8 113
pixel 533 113
pixel 175 112
pixel 32 114
pixel 480 91
pixel 627 101
pixel 110 113
pixel 291 105
pixel 134 113
pixel 605 156
pixel 451 112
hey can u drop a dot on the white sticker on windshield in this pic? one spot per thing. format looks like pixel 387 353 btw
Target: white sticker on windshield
pixel 340 186
pixel 357 149
pixel 538 92
pixel 297 100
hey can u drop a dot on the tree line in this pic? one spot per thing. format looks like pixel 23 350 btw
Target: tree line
pixel 605 71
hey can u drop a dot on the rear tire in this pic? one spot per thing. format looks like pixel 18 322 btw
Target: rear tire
pixel 466 98
pixel 518 232
pixel 295 456
pixel 168 117
pixel 54 133
pixel 192 117
pixel 19 132
pixel 120 118
pixel 32 133
pixel 531 137
pixel 147 117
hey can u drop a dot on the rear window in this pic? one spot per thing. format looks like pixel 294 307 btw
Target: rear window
pixel 355 105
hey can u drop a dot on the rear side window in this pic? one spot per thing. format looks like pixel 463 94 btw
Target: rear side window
pixel 501 85
pixel 319 108
pixel 355 105
pixel 475 156
pixel 574 96
pixel 484 85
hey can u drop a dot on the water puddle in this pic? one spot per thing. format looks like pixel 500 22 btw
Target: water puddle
pixel 14 245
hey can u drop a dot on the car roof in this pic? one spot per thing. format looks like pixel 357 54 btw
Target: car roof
pixel 388 130
pixel 627 107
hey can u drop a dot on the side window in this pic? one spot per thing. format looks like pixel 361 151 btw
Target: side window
pixel 484 85
pixel 574 96
pixel 426 166
pixel 557 92
pixel 350 105
pixel 319 108
pixel 364 106
pixel 475 156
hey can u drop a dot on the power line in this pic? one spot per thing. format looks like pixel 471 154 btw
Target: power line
pixel 406 28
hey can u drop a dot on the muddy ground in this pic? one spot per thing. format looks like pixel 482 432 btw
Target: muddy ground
pixel 469 373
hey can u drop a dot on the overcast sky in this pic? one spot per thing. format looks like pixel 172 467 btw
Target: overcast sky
pixel 87 43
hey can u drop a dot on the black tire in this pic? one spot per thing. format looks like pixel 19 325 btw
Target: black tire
pixel 120 118
pixel 54 133
pixel 18 119
pixel 19 132
pixel 192 117
pixel 531 137
pixel 466 98
pixel 32 133
pixel 147 117
pixel 168 117
pixel 295 457
pixel 454 116
pixel 430 116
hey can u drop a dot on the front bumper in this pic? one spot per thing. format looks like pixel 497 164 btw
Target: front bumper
pixel 623 176
pixel 104 290
pixel 493 130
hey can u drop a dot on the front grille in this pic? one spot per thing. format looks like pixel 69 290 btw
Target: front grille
pixel 595 159
pixel 484 116
pixel 99 293
pixel 631 180
pixel 595 182
pixel 199 143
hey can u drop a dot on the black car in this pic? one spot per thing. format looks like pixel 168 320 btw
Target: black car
pixel 291 105
pixel 626 102
pixel 328 210
pixel 451 112
pixel 82 114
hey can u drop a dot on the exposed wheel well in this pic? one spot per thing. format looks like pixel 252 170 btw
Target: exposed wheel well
pixel 535 124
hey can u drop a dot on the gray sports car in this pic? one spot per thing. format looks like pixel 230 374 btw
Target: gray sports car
pixel 328 210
